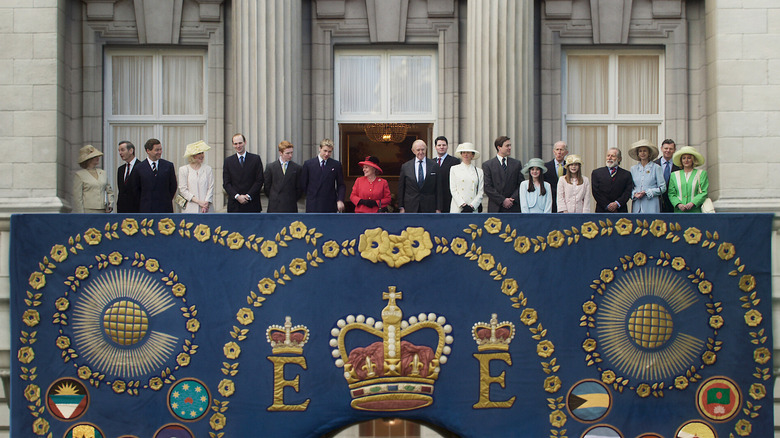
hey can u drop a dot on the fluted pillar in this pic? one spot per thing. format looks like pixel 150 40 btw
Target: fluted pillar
pixel 499 64
pixel 266 51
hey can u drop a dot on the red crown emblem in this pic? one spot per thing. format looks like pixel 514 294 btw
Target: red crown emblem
pixel 391 374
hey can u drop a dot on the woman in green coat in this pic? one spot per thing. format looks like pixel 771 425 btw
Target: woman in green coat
pixel 688 187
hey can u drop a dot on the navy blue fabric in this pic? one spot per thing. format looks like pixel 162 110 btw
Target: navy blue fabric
pixel 571 261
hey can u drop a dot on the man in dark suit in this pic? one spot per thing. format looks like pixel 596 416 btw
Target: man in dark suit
pixel 322 179
pixel 612 185
pixel 282 181
pixel 418 183
pixel 127 200
pixel 502 179
pixel 154 179
pixel 445 161
pixel 555 170
pixel 242 179
pixel 665 161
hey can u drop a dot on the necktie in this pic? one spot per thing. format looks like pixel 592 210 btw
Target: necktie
pixel 667 172
pixel 127 171
pixel 612 171
pixel 322 165
pixel 241 160
pixel 439 162
pixel 420 174
pixel 284 168
pixel 503 163
pixel 560 169
pixel 154 167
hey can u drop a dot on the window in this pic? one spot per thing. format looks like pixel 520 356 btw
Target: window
pixel 155 94
pixel 611 99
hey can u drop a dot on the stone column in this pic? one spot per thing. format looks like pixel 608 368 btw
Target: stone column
pixel 266 52
pixel 743 119
pixel 499 75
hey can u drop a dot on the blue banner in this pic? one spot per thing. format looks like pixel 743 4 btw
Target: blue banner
pixel 299 325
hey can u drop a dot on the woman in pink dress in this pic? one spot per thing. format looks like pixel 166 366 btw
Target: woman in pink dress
pixel 573 188
pixel 370 193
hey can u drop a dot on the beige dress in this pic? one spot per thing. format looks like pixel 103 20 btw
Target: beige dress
pixel 198 184
pixel 91 195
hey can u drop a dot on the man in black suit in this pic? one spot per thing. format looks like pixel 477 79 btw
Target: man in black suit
pixel 242 179
pixel 154 179
pixel 445 161
pixel 612 185
pixel 665 161
pixel 418 183
pixel 282 181
pixel 555 170
pixel 322 178
pixel 127 200
pixel 502 179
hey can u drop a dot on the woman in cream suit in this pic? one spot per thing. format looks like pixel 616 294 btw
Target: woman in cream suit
pixel 196 180
pixel 573 188
pixel 91 191
pixel 467 181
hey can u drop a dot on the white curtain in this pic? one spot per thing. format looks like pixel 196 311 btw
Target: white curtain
pixel 587 82
pixel 638 84
pixel 360 85
pixel 182 85
pixel 590 143
pixel 410 84
pixel 175 140
pixel 132 80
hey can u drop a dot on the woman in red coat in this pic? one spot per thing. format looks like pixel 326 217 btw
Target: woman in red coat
pixel 370 193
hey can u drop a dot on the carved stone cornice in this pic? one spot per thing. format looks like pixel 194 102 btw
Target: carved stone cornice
pixel 558 9
pixel 158 22
pixel 387 20
pixel 611 20
pixel 667 8
pixel 330 8
pixel 210 10
pixel 100 9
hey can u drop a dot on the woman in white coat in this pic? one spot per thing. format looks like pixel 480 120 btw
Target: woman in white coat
pixel 196 180
pixel 649 182
pixel 91 191
pixel 467 181
pixel 535 193
pixel 573 188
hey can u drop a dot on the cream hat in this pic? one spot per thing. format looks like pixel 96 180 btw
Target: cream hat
pixel 698 159
pixel 466 147
pixel 644 143
pixel 572 159
pixel 88 152
pixel 196 148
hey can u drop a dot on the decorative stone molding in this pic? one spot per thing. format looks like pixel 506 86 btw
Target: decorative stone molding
pixel 210 10
pixel 158 22
pixel 560 9
pixel 387 20
pixel 100 9
pixel 611 19
pixel 667 8
pixel 441 8
pixel 330 8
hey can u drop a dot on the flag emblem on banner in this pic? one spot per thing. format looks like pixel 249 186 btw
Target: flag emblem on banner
pixel 718 398
pixel 67 399
pixel 189 399
pixel 589 400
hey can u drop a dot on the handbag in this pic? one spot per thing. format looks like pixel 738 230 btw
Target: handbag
pixel 708 206
pixel 180 200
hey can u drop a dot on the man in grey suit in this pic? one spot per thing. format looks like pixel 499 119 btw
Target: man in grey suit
pixel 282 181
pixel 418 183
pixel 445 161
pixel 502 179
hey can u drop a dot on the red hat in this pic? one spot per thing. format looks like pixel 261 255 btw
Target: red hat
pixel 371 161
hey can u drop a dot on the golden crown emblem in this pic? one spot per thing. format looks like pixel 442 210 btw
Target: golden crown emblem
pixel 493 335
pixel 286 338
pixel 391 374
